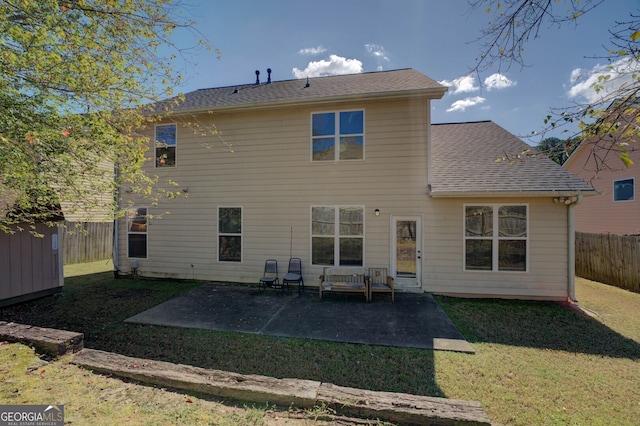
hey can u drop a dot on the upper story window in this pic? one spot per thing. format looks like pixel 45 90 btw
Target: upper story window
pixel 624 190
pixel 166 143
pixel 495 238
pixel 337 136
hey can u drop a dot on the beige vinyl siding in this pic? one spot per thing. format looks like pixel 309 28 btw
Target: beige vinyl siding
pixel 93 206
pixel 271 176
pixel 546 275
pixel 599 213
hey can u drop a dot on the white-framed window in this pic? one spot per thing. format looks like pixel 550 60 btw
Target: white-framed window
pixel 230 234
pixel 496 237
pixel 137 232
pixel 337 136
pixel 624 190
pixel 166 144
pixel 337 235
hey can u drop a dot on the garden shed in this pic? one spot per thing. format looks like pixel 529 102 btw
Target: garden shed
pixel 31 260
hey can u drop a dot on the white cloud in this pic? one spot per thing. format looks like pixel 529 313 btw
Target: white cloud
pixel 612 78
pixel 311 51
pixel 463 104
pixel 334 66
pixel 464 84
pixel 498 81
pixel 377 51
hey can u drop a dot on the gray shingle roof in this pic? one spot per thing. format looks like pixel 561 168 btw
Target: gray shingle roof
pixel 397 83
pixel 463 159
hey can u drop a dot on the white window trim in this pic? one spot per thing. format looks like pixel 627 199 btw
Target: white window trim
pixel 495 239
pixel 613 195
pixel 241 235
pixel 146 232
pixel 336 235
pixel 336 133
pixel 155 157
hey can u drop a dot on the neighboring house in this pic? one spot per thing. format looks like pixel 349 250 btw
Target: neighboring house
pixel 88 227
pixel 616 208
pixel 30 266
pixel 348 170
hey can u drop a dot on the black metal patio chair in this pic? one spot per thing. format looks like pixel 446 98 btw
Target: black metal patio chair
pixel 270 277
pixel 294 274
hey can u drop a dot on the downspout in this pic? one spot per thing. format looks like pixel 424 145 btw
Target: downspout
pixel 571 273
pixel 114 244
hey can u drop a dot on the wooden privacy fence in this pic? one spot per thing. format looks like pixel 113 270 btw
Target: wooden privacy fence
pixel 611 259
pixel 87 241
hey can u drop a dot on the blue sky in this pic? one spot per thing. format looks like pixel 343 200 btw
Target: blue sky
pixel 296 38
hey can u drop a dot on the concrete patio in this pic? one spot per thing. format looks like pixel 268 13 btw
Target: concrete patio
pixel 414 320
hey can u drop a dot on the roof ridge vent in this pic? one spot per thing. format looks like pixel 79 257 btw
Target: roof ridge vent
pixel 257 77
pixel 269 76
pixel 307 85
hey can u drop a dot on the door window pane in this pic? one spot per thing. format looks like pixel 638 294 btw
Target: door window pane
pixel 406 248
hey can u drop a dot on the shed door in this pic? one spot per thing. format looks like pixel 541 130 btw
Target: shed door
pixel 406 251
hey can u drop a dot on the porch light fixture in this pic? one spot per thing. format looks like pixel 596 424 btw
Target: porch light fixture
pixel 377 212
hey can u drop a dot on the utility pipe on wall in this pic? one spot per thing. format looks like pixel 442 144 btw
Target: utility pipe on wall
pixel 571 238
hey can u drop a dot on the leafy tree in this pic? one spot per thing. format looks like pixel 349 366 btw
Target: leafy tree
pixel 74 78
pixel 558 149
pixel 614 114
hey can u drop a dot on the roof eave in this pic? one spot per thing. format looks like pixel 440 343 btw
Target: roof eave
pixel 432 93
pixel 510 194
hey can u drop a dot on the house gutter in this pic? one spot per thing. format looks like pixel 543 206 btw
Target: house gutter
pixel 476 194
pixel 114 244
pixel 571 239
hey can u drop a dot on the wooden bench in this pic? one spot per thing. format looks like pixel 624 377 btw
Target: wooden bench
pixel 344 279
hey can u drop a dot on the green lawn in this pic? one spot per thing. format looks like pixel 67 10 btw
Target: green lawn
pixel 536 363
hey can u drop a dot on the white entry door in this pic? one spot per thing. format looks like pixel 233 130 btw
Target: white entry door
pixel 406 251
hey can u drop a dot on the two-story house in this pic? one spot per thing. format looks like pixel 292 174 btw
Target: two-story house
pixel 348 170
pixel 616 208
